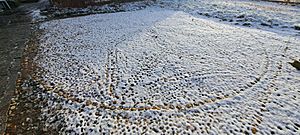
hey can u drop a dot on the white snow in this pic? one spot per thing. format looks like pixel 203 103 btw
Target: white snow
pixel 163 71
pixel 279 18
pixel 36 15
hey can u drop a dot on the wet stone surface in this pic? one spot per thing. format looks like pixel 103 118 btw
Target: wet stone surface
pixel 15 30
pixel 12 40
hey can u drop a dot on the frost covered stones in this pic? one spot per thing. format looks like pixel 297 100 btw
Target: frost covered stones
pixel 282 19
pixel 164 73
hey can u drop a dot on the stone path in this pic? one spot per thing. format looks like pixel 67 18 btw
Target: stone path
pixel 15 29
pixel 156 71
pixel 166 72
pixel 12 40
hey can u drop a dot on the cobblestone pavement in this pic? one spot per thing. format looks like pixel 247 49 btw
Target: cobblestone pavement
pixel 166 72
pixel 15 29
pixel 12 39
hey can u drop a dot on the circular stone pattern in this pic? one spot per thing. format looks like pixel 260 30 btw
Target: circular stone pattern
pixel 156 66
pixel 167 72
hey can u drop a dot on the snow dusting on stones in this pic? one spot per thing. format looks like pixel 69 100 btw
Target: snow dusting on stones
pixel 159 71
pixel 279 18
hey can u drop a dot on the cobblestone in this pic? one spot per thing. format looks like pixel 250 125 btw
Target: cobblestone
pixel 12 40
pixel 15 30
